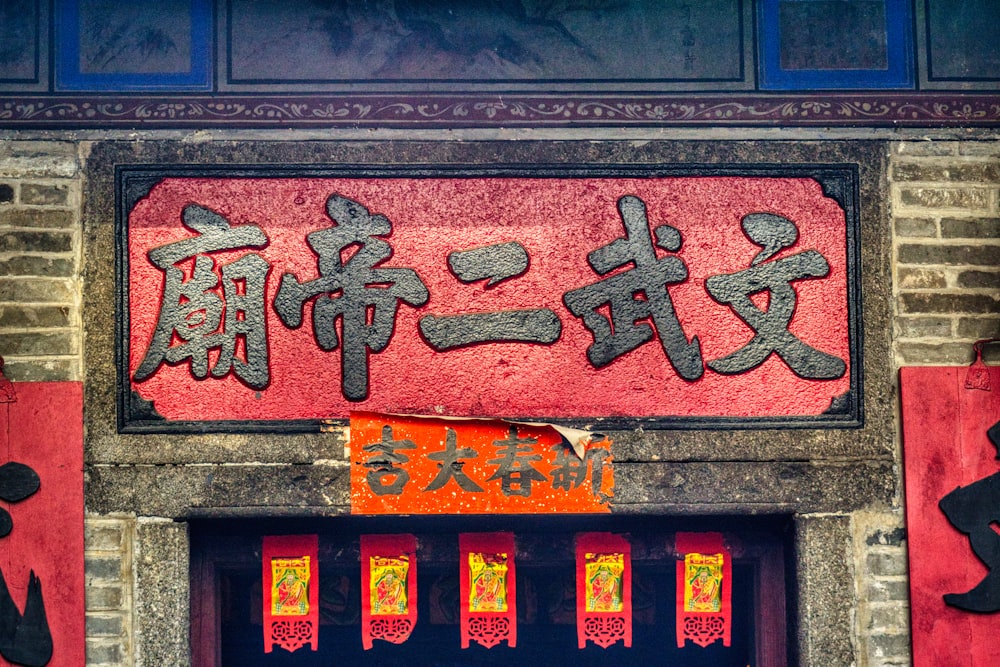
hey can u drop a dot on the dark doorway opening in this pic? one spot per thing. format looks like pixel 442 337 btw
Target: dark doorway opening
pixel 226 593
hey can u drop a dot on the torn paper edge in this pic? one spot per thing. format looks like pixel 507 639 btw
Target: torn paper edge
pixel 576 438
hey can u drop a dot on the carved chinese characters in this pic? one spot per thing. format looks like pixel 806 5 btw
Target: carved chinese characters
pixel 290 299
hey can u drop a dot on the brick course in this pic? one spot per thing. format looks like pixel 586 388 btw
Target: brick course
pixel 944 202
pixel 40 338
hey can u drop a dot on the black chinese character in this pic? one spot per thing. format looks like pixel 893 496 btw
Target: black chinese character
pixel 194 313
pixel 974 510
pixel 451 464
pixel 383 466
pixel 24 639
pixel 497 262
pixel 514 470
pixel 773 233
pixel 570 470
pixel 365 298
pixel 636 294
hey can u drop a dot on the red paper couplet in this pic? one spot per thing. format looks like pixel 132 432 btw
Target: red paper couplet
pixel 488 586
pixel 950 462
pixel 291 591
pixel 389 579
pixel 42 582
pixel 704 589
pixel 603 589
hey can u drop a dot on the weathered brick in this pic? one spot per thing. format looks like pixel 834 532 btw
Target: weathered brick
pixel 978 255
pixel 988 148
pixel 981 279
pixel 100 598
pixel 34 290
pixel 51 267
pixel 6 193
pixel 967 198
pixel 946 354
pixel 38 344
pixel 103 535
pixel 38 218
pixel 41 194
pixel 895 617
pixel 949 302
pixel 924 327
pixel 979 327
pixel 105 625
pixel 910 278
pixel 40 164
pixel 103 568
pixel 43 370
pixel 34 317
pixel 888 590
pixel 887 564
pixel 927 148
pixel 975 172
pixel 103 652
pixel 916 227
pixel 892 538
pixel 885 644
pixel 970 228
pixel 36 242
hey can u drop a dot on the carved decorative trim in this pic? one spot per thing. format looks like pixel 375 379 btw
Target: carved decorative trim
pixel 501 110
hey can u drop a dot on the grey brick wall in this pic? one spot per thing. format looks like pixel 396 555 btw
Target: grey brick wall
pixel 946 240
pixel 40 326
pixel 109 574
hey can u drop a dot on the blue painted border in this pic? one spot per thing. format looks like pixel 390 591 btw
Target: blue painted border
pixel 69 77
pixel 899 44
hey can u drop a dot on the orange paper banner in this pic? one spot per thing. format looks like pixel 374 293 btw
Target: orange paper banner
pixel 414 465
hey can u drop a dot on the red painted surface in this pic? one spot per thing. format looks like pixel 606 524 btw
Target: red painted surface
pixel 558 221
pixel 945 446
pixel 43 429
pixel 525 496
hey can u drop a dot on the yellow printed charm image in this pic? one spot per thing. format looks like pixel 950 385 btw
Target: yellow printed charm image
pixel 387 588
pixel 703 582
pixel 604 581
pixel 290 586
pixel 488 576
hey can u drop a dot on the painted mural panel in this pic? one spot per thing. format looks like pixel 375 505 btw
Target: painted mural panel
pixel 413 43
pixel 21 42
pixel 128 46
pixel 720 296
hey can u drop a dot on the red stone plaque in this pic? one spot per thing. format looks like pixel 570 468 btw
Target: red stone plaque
pixel 279 298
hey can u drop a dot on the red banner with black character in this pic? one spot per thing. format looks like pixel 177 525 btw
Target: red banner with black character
pixel 389 581
pixel 603 589
pixel 291 591
pixel 488 588
pixel 704 589
pixel 951 440
pixel 42 580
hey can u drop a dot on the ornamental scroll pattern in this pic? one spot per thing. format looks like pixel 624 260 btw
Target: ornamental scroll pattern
pixel 868 109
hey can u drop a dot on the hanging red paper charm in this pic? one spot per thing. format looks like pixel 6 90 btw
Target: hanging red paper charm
pixel 488 588
pixel 704 589
pixel 603 589
pixel 291 591
pixel 389 570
